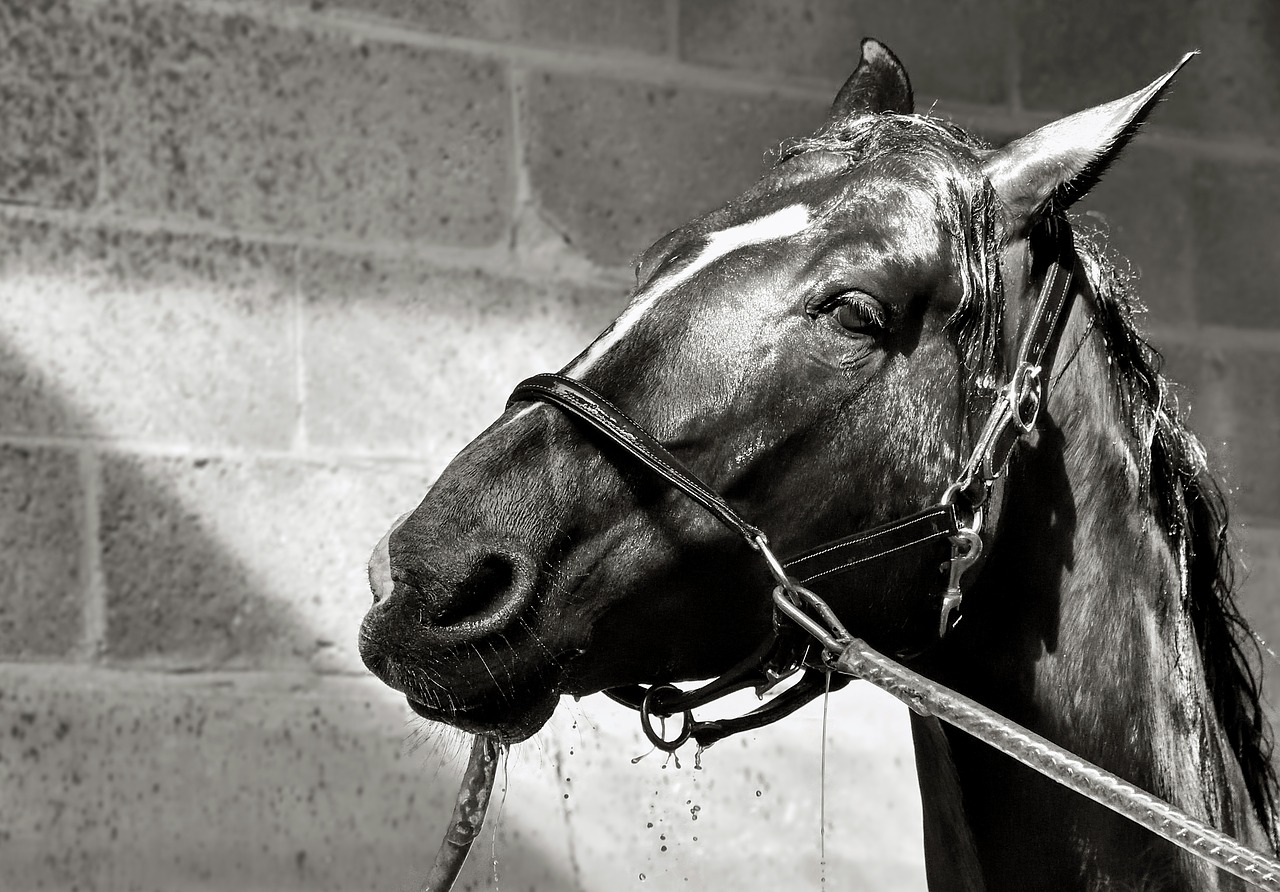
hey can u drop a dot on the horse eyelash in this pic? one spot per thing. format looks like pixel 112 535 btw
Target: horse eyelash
pixel 870 310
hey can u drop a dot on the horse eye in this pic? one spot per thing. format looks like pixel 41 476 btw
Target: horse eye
pixel 858 312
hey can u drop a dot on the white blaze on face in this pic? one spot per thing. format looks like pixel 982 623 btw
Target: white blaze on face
pixel 380 562
pixel 781 223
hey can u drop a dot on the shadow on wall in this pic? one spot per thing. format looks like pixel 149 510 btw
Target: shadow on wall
pixel 180 706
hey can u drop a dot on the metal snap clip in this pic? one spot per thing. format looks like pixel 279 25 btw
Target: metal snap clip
pixel 966 547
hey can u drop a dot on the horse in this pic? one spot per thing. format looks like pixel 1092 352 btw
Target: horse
pixel 821 351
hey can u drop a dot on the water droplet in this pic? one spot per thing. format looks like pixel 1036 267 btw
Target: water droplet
pixel 695 839
pixel 642 878
pixel 664 848
pixel 759 793
pixel 650 824
pixel 566 795
pixel 662 836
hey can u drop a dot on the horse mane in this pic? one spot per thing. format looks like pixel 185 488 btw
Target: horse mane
pixel 1172 461
pixel 1194 512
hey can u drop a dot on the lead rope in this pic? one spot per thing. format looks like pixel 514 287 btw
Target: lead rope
pixel 855 657
pixel 468 814
pixel 822 789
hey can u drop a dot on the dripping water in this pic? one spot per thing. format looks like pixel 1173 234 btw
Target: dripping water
pixel 822 791
pixel 636 759
pixel 1262 643
pixel 497 819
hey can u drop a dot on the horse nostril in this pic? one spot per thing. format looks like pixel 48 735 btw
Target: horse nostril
pixel 483 589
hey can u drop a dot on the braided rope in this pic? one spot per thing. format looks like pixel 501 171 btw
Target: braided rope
pixel 929 698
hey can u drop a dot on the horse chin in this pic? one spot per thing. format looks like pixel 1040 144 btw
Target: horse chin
pixel 509 721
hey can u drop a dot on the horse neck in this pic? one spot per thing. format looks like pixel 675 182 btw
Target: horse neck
pixel 1077 629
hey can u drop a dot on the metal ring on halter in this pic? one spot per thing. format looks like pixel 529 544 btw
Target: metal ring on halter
pixel 975 511
pixel 646 721
pixel 1025 391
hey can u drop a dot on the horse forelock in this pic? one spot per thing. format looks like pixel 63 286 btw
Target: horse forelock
pixel 944 161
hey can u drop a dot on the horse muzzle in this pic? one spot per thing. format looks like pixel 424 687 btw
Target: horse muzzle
pixel 449 628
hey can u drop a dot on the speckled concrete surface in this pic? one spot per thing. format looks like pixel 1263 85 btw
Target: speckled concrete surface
pixel 152 781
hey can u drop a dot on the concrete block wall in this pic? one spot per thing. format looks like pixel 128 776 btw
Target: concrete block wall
pixel 265 265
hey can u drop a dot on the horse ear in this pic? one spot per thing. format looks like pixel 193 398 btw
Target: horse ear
pixel 878 84
pixel 1062 161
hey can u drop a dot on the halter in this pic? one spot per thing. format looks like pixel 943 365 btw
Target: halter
pixel 955 523
pixel 947 534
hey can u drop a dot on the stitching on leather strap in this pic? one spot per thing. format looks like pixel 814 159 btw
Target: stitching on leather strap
pixel 871 557
pixel 864 537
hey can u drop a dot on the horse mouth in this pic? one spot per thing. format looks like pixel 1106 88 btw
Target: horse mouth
pixel 512 710
pixel 508 720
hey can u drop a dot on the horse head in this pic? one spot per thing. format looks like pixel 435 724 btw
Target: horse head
pixel 815 351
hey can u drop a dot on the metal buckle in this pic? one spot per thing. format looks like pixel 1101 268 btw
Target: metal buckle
pixel 774 677
pixel 976 512
pixel 1024 395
